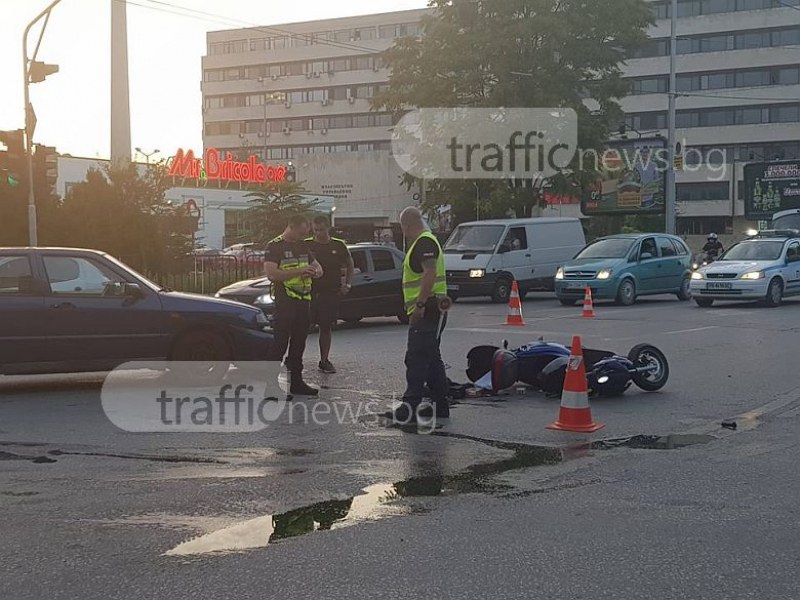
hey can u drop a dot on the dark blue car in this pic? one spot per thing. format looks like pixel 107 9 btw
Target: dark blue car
pixel 72 310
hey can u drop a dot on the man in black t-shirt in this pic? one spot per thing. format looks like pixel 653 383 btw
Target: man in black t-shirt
pixel 291 266
pixel 328 290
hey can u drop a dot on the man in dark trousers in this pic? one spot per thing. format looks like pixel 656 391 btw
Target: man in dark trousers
pixel 290 266
pixel 328 290
pixel 424 285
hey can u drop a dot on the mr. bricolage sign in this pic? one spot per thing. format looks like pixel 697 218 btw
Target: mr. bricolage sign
pixel 212 166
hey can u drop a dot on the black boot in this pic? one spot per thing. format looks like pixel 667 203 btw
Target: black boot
pixel 299 387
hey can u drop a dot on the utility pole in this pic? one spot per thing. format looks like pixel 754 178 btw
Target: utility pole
pixel 671 141
pixel 33 71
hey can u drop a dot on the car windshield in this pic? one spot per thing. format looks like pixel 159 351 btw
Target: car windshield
pixel 789 221
pixel 754 250
pixel 608 248
pixel 474 238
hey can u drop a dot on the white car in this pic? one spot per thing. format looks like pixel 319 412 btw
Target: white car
pixel 765 267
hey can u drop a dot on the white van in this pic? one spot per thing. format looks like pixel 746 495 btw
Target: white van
pixel 482 258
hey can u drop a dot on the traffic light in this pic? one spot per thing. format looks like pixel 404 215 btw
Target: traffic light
pixel 12 163
pixel 38 71
pixel 45 169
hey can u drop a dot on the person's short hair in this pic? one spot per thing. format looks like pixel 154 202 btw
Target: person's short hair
pixel 296 221
pixel 322 220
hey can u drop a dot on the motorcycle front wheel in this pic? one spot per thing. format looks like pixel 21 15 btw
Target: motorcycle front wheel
pixel 645 355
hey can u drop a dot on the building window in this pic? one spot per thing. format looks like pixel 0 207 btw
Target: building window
pixel 704 225
pixel 706 191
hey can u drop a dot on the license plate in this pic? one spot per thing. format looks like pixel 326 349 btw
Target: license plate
pixel 718 285
pixel 576 285
pixel 453 287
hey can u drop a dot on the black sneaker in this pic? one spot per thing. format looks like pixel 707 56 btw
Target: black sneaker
pixel 301 388
pixel 326 367
pixel 443 410
pixel 402 415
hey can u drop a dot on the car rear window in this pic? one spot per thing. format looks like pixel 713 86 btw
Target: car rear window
pixel 16 276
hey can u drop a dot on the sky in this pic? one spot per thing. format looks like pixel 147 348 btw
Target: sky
pixel 166 40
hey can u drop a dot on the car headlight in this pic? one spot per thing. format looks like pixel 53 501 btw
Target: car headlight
pixel 261 319
pixel 604 273
pixel 264 299
pixel 697 275
pixel 217 295
pixel 560 273
pixel 476 273
pixel 754 275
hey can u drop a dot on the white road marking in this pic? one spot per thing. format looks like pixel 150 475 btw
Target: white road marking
pixel 690 330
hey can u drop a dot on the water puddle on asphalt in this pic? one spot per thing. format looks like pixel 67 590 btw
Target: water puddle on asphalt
pixel 385 500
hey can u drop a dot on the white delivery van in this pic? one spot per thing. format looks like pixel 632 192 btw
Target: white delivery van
pixel 482 258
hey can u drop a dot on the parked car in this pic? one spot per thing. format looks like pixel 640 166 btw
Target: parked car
pixel 624 267
pixel 484 257
pixel 765 267
pixel 73 310
pixel 377 286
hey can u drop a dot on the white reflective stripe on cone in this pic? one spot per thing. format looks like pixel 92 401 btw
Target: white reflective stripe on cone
pixel 574 399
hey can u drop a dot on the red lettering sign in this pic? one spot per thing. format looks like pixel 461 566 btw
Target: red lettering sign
pixel 215 167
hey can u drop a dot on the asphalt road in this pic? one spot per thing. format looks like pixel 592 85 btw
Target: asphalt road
pixel 662 502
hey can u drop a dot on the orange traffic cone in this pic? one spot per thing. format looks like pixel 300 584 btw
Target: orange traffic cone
pixel 514 316
pixel 575 414
pixel 588 307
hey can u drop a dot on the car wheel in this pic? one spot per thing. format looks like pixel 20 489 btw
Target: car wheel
pixel 567 301
pixel 626 294
pixel 453 297
pixel 774 295
pixel 204 356
pixel 704 302
pixel 502 291
pixel 403 318
pixel 685 293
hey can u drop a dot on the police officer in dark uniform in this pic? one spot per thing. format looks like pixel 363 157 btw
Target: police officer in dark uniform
pixel 291 266
pixel 328 291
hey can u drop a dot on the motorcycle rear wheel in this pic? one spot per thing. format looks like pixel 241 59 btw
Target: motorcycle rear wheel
pixel 643 355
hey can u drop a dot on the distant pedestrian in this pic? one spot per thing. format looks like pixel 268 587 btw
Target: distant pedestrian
pixel 291 266
pixel 327 291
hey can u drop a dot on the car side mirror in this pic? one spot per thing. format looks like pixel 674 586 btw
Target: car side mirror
pixel 133 290
pixel 646 256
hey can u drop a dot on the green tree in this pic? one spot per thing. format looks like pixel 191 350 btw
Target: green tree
pixel 518 53
pixel 272 206
pixel 124 212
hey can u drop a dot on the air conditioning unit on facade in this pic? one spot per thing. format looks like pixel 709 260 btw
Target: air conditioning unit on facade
pixel 351 100
pixel 287 130
pixel 275 77
pixel 324 131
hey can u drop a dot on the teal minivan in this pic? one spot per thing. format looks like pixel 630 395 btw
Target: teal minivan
pixel 626 266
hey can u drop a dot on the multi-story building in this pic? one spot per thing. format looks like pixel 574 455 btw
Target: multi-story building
pixel 293 91
pixel 738 76
pixel 300 91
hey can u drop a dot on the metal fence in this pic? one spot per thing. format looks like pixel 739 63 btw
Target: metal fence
pixel 206 275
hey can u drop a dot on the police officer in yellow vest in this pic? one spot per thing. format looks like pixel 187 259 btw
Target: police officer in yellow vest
pixel 290 265
pixel 424 284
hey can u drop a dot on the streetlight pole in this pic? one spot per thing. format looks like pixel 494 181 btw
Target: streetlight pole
pixel 147 155
pixel 30 117
pixel 477 201
pixel 670 191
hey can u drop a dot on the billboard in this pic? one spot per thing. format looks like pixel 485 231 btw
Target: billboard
pixel 632 180
pixel 771 187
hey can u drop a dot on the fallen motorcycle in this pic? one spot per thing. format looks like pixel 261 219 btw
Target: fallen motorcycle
pixel 543 365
